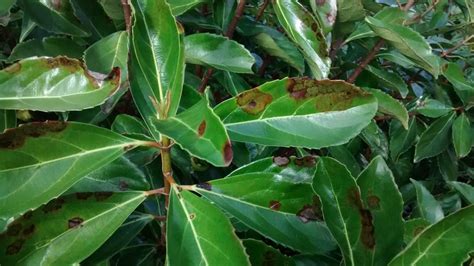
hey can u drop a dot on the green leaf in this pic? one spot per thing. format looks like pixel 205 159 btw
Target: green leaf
pixel 259 199
pixel 433 108
pixel 374 136
pixel 382 223
pixel 233 83
pixel 130 126
pixel 49 46
pixel 31 174
pixel 466 190
pixel 179 7
pixel 448 165
pixel 428 207
pixel 303 29
pixel 223 12
pixel 93 17
pixel 5 7
pixel 198 233
pixel 435 139
pixel 388 105
pixel 7 119
pixel 325 12
pixel 401 140
pixel 389 80
pixel 350 10
pixel 462 135
pixel 344 155
pixel 447 242
pixel 413 228
pixel 55 16
pixel 157 60
pixel 298 112
pixel 199 131
pixel 464 89
pixel 66 230
pixel 54 84
pixel 262 254
pixel 219 52
pixel 408 42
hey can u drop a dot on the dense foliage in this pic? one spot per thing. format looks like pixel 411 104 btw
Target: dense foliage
pixel 225 132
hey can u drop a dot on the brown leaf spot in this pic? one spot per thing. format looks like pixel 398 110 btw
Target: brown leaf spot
pixel 275 205
pixel 15 247
pixel 320 2
pixel 309 213
pixel 74 222
pixel 192 216
pixel 14 229
pixel 331 18
pixel 83 195
pixel 307 161
pixel 53 205
pixel 205 185
pixel 123 185
pixel 373 202
pixel 15 138
pixel 281 161
pixel 202 128
pixel 27 215
pixel 253 101
pixel 13 68
pixel 29 230
pixel 228 153
pixel 418 230
pixel 102 195
pixel 72 65
pixel 367 233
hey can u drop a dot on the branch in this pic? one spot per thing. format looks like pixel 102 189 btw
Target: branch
pixel 261 10
pixel 457 46
pixel 366 61
pixel 127 13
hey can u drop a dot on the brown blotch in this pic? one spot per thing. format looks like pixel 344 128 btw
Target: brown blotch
pixel 331 18
pixel 70 64
pixel 123 185
pixel 27 215
pixel 29 230
pixel 307 161
pixel 202 128
pixel 13 68
pixel 14 229
pixel 102 195
pixel 373 202
pixel 281 161
pixel 83 195
pixel 53 205
pixel 367 233
pixel 311 212
pixel 192 216
pixel 15 247
pixel 205 185
pixel 75 222
pixel 253 101
pixel 320 2
pixel 275 205
pixel 228 153
pixel 16 137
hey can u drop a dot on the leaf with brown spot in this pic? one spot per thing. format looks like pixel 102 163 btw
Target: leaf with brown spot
pixel 54 84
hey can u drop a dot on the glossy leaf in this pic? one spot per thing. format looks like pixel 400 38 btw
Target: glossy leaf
pixel 374 136
pixel 465 89
pixel 223 12
pixel 390 106
pixel 382 223
pixel 462 135
pixel 344 155
pixel 199 131
pixel 50 46
pixel 199 233
pixel 7 119
pixel 303 29
pixel 130 126
pixel 178 7
pixel 218 52
pixel 350 10
pixel 56 16
pixel 401 140
pixel 389 80
pixel 54 84
pixel 42 160
pixel 433 108
pixel 448 165
pixel 413 228
pixel 66 230
pixel 157 60
pixel 326 12
pixel 435 139
pixel 466 190
pixel 233 83
pixel 447 242
pixel 298 112
pixel 427 206
pixel 262 254
pixel 408 42
pixel 93 17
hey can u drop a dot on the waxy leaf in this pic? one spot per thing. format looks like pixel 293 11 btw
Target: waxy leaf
pixel 462 135
pixel 454 74
pixel 401 140
pixel 447 242
pixel 93 17
pixel 433 108
pixel 50 46
pixel 233 83
pixel 408 42
pixel 298 112
pixel 389 80
pixel 66 230
pixel 388 105
pixel 54 84
pixel 198 233
pixel 199 131
pixel 42 160
pixel 325 12
pixel 218 52
pixel 428 207
pixel 435 139
pixel 157 60
pixel 178 7
pixel 55 16
pixel 303 29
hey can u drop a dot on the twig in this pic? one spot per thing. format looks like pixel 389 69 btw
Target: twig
pixel 160 191
pixel 335 46
pixel 261 10
pixel 127 13
pixel 457 46
pixel 421 15
pixel 205 79
pixel 366 61
pixel 263 67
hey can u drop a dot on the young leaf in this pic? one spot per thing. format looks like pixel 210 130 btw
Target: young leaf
pixel 157 60
pixel 199 131
pixel 42 160
pixel 390 106
pixel 298 112
pixel 435 139
pixel 462 135
pixel 447 242
pixel 389 80
pixel 428 207
pixel 401 140
pixel 218 52
pixel 304 30
pixel 408 42
pixel 200 234
pixel 66 230
pixel 464 89
pixel 54 84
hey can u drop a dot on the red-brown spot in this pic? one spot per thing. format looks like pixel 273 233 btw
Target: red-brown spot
pixel 83 195
pixel 275 205
pixel 123 185
pixel 307 161
pixel 27 215
pixel 367 233
pixel 281 161
pixel 309 213
pixel 373 202
pixel 14 229
pixel 29 230
pixel 228 153
pixel 53 205
pixel 202 128
pixel 192 216
pixel 13 68
pixel 254 101
pixel 75 222
pixel 320 2
pixel 102 195
pixel 15 138
pixel 15 247
pixel 205 185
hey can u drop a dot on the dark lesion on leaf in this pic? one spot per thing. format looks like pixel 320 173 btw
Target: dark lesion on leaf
pixel 306 161
pixel 83 195
pixel 70 64
pixel 202 128
pixel 15 247
pixel 74 222
pixel 15 138
pixel 14 229
pixel 281 161
pixel 254 101
pixel 205 186
pixel 102 195
pixel 367 236
pixel 228 153
pixel 29 230
pixel 53 206
pixel 275 205
pixel 13 68
pixel 311 212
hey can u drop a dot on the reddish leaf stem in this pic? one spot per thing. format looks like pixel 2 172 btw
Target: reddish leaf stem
pixel 366 61
pixel 261 10
pixel 127 13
